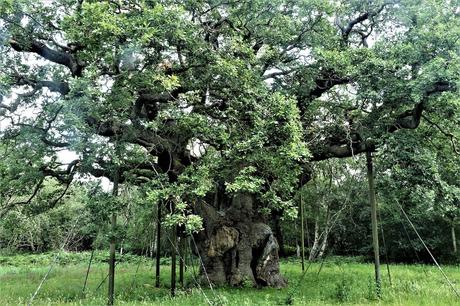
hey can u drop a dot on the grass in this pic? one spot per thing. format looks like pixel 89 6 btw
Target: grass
pixel 340 282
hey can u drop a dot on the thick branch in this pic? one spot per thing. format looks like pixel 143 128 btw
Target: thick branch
pixel 148 102
pixel 58 57
pixel 277 73
pixel 53 86
pixel 135 134
pixel 8 207
pixel 65 175
pixel 141 172
pixel 55 144
pixel 340 151
pixel 409 119
pixel 325 82
pixel 365 16
pixel 347 30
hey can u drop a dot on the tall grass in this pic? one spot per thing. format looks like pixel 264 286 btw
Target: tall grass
pixel 340 282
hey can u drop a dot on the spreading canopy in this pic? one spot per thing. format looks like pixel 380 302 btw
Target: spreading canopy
pixel 205 95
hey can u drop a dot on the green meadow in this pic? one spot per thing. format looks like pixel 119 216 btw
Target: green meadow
pixel 336 281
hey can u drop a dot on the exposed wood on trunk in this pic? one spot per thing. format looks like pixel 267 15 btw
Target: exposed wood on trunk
pixel 237 245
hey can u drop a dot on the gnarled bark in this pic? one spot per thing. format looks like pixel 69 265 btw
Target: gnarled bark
pixel 237 246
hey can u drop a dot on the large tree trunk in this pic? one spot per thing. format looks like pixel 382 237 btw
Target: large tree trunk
pixel 237 246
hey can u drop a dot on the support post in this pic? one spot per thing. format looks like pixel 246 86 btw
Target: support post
pixel 454 237
pixel 386 250
pixel 173 256
pixel 87 270
pixel 181 260
pixel 113 225
pixel 186 254
pixel 302 231
pixel 158 247
pixel 375 234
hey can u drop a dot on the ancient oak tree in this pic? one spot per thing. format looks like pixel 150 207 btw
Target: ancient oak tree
pixel 217 106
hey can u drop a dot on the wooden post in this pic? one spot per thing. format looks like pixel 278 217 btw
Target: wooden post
pixel 302 231
pixel 173 258
pixel 386 252
pixel 158 247
pixel 87 270
pixel 375 234
pixel 181 260
pixel 454 237
pixel 113 224
pixel 186 254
